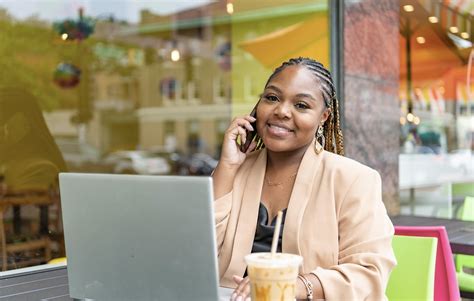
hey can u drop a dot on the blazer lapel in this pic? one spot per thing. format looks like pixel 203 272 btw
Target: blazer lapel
pixel 247 224
pixel 299 198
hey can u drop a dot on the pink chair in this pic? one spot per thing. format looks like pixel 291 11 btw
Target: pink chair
pixel 446 283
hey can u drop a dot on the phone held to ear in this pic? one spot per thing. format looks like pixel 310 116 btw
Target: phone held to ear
pixel 250 134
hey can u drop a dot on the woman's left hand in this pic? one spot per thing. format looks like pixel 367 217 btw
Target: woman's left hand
pixel 242 291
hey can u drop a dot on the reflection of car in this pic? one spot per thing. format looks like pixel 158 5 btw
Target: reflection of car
pixel 174 159
pixel 77 154
pixel 198 164
pixel 137 162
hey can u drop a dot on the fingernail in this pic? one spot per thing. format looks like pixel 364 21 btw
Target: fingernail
pixel 239 298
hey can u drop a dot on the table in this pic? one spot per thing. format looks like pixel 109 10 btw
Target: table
pixel 47 282
pixel 422 173
pixel 460 233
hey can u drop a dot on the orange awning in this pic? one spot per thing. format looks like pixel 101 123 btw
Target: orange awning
pixel 309 38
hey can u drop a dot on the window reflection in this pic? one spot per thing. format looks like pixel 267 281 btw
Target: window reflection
pixel 436 106
pixel 137 88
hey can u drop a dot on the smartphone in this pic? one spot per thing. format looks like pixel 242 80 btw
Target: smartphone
pixel 250 134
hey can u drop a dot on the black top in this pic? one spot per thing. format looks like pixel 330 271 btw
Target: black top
pixel 264 232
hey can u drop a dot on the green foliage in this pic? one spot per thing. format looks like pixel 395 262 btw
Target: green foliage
pixel 30 52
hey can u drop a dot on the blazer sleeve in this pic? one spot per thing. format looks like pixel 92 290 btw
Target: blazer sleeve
pixel 365 250
pixel 222 208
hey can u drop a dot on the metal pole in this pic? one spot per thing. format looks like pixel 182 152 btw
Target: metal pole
pixel 336 16
pixel 408 52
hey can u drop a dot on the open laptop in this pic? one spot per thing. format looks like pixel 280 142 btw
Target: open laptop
pixel 140 237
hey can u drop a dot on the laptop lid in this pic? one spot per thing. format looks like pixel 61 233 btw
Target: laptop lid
pixel 139 237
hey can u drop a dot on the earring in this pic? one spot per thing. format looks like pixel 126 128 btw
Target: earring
pixel 319 136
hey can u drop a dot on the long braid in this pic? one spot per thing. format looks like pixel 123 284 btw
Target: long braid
pixel 332 127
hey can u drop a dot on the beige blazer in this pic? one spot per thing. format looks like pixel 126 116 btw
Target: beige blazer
pixel 335 219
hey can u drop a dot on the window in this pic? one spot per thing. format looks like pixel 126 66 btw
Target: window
pixel 117 86
pixel 436 102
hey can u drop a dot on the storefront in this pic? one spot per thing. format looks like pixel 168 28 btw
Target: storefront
pixel 164 77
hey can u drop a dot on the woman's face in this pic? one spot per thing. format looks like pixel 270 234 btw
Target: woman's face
pixel 290 110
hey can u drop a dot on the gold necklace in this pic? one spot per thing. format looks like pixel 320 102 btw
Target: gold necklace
pixel 270 183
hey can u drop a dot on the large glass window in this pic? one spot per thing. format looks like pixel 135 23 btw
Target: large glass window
pixel 436 106
pixel 90 86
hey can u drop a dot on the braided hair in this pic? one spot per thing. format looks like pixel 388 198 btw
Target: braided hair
pixel 332 127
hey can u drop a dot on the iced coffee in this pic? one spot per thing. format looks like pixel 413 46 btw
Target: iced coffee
pixel 273 277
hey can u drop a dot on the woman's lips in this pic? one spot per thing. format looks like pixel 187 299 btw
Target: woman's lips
pixel 279 130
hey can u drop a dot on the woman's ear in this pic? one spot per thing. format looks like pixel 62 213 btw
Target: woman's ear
pixel 325 115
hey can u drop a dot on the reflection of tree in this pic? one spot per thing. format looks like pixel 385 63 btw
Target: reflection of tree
pixel 31 50
pixel 28 57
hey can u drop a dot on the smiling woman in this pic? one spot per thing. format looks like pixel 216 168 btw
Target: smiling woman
pixel 333 212
pixel 288 96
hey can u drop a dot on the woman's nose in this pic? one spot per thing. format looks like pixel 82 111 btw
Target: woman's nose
pixel 283 110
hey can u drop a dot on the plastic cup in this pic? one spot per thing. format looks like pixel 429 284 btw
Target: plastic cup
pixel 273 278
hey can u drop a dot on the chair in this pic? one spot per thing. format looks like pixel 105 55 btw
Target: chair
pixel 43 242
pixel 466 281
pixel 463 189
pixel 446 284
pixel 413 277
pixel 460 191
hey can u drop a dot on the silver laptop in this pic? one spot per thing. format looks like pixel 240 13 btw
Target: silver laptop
pixel 140 237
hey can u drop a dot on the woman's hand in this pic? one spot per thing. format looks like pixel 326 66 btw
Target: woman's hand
pixel 242 291
pixel 231 154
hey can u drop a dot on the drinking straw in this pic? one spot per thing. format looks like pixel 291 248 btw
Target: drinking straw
pixel 276 234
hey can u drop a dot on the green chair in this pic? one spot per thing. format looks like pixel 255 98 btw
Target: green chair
pixel 462 189
pixel 413 277
pixel 465 280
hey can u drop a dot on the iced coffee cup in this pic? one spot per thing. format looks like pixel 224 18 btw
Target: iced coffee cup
pixel 273 277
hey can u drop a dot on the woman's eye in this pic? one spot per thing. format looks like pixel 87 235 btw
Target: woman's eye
pixel 301 106
pixel 271 97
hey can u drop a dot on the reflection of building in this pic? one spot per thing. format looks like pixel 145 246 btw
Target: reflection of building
pixel 143 98
pixel 435 44
pixel 114 125
pixel 186 100
pixel 190 98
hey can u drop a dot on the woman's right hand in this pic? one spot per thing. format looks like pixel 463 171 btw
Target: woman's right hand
pixel 231 155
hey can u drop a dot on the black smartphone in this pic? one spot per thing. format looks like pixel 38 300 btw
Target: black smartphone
pixel 250 134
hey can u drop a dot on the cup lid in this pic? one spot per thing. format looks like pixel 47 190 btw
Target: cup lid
pixel 278 260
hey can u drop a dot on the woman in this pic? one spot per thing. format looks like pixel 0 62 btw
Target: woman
pixel 334 215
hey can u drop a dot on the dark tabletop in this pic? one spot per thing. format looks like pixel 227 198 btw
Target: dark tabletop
pixel 49 284
pixel 460 233
pixel 52 284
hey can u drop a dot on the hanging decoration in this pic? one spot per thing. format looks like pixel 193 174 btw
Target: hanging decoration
pixel 67 75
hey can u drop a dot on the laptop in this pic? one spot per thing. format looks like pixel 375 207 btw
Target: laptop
pixel 132 237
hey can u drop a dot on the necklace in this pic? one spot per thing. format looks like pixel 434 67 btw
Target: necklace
pixel 271 183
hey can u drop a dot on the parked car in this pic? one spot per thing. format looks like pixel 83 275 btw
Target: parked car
pixel 137 162
pixel 174 158
pixel 197 164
